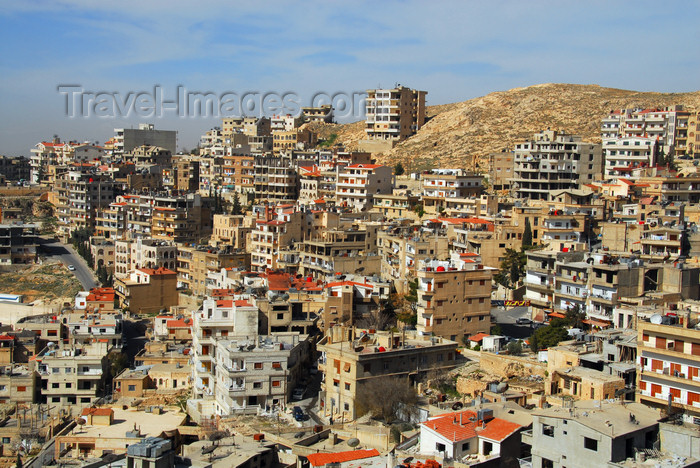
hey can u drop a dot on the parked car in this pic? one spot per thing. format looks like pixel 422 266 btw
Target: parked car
pixel 523 321
pixel 298 413
pixel 298 393
pixel 71 267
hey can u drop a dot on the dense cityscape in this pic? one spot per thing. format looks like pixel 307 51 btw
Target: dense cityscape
pixel 389 234
pixel 272 298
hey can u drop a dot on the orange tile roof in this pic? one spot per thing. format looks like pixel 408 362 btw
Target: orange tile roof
pixel 454 426
pixel 177 324
pixel 364 166
pixel 498 429
pixel 97 412
pixel 159 271
pixel 322 459
pixel 478 337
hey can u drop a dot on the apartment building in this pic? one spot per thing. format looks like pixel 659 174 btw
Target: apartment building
pixel 669 363
pixel 609 281
pixel 454 298
pixel 46 154
pixel 394 114
pixel 539 281
pixel 590 434
pixel 272 234
pixel 666 125
pixel 297 138
pixel 395 206
pixel 79 196
pixel 258 373
pixel 19 383
pixel 501 170
pixel 239 173
pixel 553 160
pixel 350 360
pixel 693 131
pixel 18 243
pixel 625 155
pixel 147 290
pixel 403 248
pixel 275 179
pixel 72 376
pixel 441 184
pixel 323 113
pixel 351 250
pixel 126 140
pixel 284 123
pixel 358 183
pixel 352 301
pixel 195 263
pixel 15 169
pixel 230 230
pixel 143 252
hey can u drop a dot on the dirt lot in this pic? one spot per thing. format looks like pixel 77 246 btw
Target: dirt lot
pixel 48 282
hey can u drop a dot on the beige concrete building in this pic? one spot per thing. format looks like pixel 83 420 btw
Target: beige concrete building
pixel 350 360
pixel 441 184
pixel 454 298
pixel 143 253
pixel 358 183
pixel 394 114
pixel 147 290
pixel 669 363
pixel 196 263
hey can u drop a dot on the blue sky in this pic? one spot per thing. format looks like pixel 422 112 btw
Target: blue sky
pixel 453 50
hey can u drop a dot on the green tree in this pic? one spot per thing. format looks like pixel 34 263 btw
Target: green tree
pixel 514 348
pixel 396 393
pixel 575 317
pixel 548 336
pixel 527 235
pixel 496 330
pixel 236 210
pixel 512 269
pixel 398 169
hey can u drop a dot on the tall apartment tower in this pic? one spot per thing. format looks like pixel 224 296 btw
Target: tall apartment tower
pixel 394 114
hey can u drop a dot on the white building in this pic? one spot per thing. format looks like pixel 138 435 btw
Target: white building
pixel 624 155
pixel 357 184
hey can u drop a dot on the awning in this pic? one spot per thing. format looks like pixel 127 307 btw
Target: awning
pixel 596 323
pixel 557 315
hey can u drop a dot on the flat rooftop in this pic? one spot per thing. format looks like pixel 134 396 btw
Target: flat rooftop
pixel 610 419
pixel 150 424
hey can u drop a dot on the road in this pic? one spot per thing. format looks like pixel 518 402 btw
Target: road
pixel 45 456
pixel 506 319
pixel 68 256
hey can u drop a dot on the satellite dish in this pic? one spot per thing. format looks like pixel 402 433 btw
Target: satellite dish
pixel 656 319
pixel 353 442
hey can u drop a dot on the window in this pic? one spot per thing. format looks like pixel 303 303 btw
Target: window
pixel 54 385
pixel 5 440
pixel 276 365
pixel 275 383
pixel 547 430
pixel 367 367
pixel 336 383
pixel 590 444
pixel 346 406
pixel 439 447
pixel 465 446
pixel 21 389
pixel 257 384
pixel 258 365
pixel 132 388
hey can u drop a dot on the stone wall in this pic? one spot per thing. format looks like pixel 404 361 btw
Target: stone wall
pixel 511 366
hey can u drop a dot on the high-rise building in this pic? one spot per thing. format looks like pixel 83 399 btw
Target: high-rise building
pixel 394 114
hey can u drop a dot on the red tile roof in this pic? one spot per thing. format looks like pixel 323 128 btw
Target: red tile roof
pixel 498 429
pixel 159 271
pixel 458 426
pixel 177 324
pixel 97 412
pixel 454 426
pixel 478 337
pixel 364 166
pixel 322 459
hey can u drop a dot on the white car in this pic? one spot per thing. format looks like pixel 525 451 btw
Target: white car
pixel 71 267
pixel 298 394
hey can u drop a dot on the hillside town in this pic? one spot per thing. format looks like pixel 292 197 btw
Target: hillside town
pixel 273 298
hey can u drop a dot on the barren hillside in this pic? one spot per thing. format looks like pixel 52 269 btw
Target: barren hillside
pixel 464 133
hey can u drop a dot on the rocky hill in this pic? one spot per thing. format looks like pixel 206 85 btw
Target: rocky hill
pixel 463 134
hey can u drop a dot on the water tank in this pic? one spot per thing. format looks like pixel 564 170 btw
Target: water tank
pixel 440 268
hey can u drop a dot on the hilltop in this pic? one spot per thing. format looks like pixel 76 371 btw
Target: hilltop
pixel 464 133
